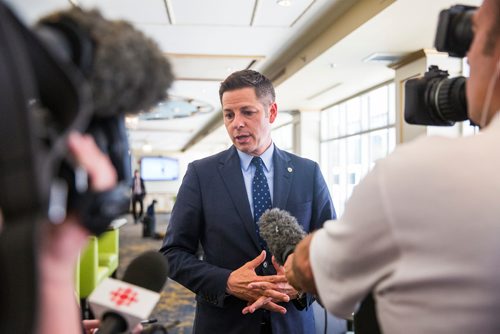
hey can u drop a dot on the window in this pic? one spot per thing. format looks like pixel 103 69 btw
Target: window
pixel 283 137
pixel 354 134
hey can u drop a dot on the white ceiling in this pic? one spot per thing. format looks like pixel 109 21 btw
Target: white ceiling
pixel 314 50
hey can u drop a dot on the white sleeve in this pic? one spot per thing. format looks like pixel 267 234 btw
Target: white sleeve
pixel 351 255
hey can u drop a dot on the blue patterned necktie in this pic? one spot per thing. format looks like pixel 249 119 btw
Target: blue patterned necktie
pixel 261 194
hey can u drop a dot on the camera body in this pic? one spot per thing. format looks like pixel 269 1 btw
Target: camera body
pixel 435 99
pixel 454 31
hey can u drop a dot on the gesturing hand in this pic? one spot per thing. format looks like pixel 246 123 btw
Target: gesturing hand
pixel 238 286
pixel 270 289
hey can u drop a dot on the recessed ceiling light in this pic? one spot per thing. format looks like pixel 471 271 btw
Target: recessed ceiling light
pixel 175 107
pixel 131 122
pixel 384 57
pixel 147 147
pixel 284 3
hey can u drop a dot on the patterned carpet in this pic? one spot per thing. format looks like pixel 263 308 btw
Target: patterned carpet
pixel 175 310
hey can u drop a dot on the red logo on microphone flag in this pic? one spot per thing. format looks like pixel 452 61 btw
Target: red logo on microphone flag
pixel 133 302
pixel 124 296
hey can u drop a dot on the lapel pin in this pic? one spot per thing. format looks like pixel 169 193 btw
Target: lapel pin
pixel 289 169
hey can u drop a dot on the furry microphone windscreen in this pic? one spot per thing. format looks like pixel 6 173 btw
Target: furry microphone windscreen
pixel 129 72
pixel 281 231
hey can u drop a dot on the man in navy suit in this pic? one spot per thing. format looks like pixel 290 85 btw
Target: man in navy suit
pixel 215 207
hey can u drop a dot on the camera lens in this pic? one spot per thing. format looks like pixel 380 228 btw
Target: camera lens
pixel 446 98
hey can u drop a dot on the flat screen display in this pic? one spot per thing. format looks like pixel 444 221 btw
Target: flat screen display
pixel 159 169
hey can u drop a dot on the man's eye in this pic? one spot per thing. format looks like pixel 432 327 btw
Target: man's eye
pixel 228 116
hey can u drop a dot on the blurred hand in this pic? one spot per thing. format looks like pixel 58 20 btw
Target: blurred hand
pixel 61 243
pixel 92 326
pixel 298 268
pixel 101 172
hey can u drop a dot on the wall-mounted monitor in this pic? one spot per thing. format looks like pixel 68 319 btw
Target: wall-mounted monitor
pixel 159 169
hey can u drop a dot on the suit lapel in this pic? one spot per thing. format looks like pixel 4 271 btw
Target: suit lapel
pixel 230 172
pixel 283 176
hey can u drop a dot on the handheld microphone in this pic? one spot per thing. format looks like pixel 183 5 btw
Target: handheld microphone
pixel 281 231
pixel 121 305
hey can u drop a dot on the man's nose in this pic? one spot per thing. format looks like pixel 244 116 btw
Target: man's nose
pixel 239 122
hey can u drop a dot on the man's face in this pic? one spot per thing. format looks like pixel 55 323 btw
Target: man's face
pixel 248 120
pixel 482 65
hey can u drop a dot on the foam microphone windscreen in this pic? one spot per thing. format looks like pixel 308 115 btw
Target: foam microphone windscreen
pixel 129 73
pixel 149 270
pixel 281 231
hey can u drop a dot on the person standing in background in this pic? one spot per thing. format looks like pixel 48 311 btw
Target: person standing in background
pixel 138 194
pixel 219 202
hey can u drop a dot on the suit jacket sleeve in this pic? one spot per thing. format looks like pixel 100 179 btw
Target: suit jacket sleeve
pixel 182 241
pixel 322 210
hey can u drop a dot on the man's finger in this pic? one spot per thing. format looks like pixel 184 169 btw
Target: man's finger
pixel 279 269
pixel 257 261
pixel 273 307
pixel 271 279
pixel 261 301
pixel 261 285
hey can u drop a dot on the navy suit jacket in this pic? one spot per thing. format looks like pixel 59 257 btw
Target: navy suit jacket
pixel 212 208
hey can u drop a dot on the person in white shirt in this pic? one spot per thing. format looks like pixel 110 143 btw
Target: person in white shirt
pixel 422 230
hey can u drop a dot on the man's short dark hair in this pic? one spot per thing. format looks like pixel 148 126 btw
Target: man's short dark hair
pixel 248 78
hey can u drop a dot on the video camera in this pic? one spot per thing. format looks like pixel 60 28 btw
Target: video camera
pixel 74 70
pixel 436 99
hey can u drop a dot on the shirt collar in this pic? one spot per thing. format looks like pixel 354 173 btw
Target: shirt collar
pixel 267 158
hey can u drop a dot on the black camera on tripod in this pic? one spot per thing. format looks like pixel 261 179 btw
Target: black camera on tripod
pixel 436 99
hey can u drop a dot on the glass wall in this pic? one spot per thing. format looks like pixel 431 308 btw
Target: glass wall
pixel 283 137
pixel 354 134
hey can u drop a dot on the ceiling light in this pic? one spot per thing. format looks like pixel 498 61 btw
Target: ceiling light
pixel 384 57
pixel 176 107
pixel 147 147
pixel 131 122
pixel 284 3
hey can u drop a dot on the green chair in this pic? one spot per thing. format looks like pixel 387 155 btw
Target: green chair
pixel 98 261
pixel 109 250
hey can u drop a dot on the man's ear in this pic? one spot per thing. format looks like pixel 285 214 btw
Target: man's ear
pixel 273 112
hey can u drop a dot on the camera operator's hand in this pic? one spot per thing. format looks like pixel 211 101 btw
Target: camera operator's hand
pixel 92 327
pixel 298 267
pixel 101 172
pixel 61 244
